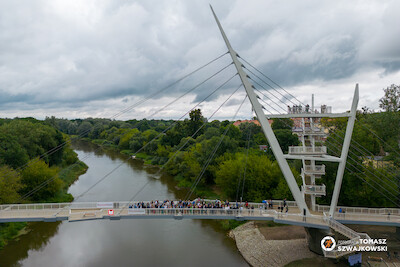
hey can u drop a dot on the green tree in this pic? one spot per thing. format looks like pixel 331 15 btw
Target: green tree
pixel 390 102
pixel 196 120
pixel 262 178
pixel 11 152
pixel 84 129
pixel 10 185
pixel 286 138
pixel 35 137
pixel 39 174
pixel 126 138
pixel 283 123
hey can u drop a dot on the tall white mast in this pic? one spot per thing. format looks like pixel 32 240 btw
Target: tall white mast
pixel 276 149
pixel 304 155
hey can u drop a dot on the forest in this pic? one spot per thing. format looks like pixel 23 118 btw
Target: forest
pixel 25 165
pixel 220 159
pixel 239 169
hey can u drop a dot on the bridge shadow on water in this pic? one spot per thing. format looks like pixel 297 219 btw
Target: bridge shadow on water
pixel 37 236
pixel 44 239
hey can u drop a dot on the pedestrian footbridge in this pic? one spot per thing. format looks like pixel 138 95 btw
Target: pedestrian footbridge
pixel 82 211
pixel 87 211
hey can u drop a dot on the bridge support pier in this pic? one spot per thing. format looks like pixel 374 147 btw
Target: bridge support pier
pixel 398 233
pixel 314 237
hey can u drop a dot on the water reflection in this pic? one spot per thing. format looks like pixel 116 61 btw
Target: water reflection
pixel 126 242
pixel 38 237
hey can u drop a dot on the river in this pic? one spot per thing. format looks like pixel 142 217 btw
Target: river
pixel 140 242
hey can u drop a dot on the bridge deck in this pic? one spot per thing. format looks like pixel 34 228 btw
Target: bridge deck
pixel 81 211
pixel 73 212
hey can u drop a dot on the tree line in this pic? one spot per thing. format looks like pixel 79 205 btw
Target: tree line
pixel 182 150
pixel 184 147
pixel 24 163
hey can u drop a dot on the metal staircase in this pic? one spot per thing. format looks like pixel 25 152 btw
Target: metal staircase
pixel 353 236
pixel 311 136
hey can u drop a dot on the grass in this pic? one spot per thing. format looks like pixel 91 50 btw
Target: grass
pixel 228 225
pixel 71 174
pixel 68 176
pixel 9 231
pixel 268 224
pixel 205 192
pixel 99 141
pixel 126 152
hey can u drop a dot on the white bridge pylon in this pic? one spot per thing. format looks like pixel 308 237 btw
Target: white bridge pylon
pixel 274 144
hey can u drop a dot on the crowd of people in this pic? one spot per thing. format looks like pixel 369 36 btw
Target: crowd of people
pixel 187 204
pixel 206 204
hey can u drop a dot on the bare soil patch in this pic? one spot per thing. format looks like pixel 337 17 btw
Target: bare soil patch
pixel 281 232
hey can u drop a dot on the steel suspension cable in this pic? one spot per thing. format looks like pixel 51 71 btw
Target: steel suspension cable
pixel 394 149
pixel 170 126
pixel 195 87
pixel 58 147
pixel 269 100
pixel 379 191
pixel 176 99
pixel 361 150
pixel 179 149
pixel 245 166
pixel 350 158
pixel 271 88
pixel 156 137
pixel 197 180
pixel 187 141
pixel 361 165
pixel 271 94
pixel 271 80
pixel 46 182
pixel 268 104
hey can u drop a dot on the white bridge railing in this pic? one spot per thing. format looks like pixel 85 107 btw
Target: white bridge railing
pixel 346 231
pixel 314 189
pixel 276 203
pixel 318 169
pixel 359 210
pixel 300 150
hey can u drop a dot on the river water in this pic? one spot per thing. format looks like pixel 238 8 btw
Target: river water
pixel 140 242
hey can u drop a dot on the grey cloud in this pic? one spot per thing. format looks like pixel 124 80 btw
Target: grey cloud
pixel 71 54
pixel 6 97
pixel 234 102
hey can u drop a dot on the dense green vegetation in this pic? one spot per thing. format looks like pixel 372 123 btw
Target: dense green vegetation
pixel 25 165
pixel 238 168
pixel 359 183
pixel 183 150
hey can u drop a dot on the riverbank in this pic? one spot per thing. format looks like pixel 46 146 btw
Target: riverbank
pixel 203 191
pixel 129 241
pixel 12 231
pixel 263 245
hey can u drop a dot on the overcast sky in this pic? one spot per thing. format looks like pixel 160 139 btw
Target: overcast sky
pixel 93 58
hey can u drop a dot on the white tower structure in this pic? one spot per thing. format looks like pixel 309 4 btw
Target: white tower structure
pixel 310 152
pixel 311 134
